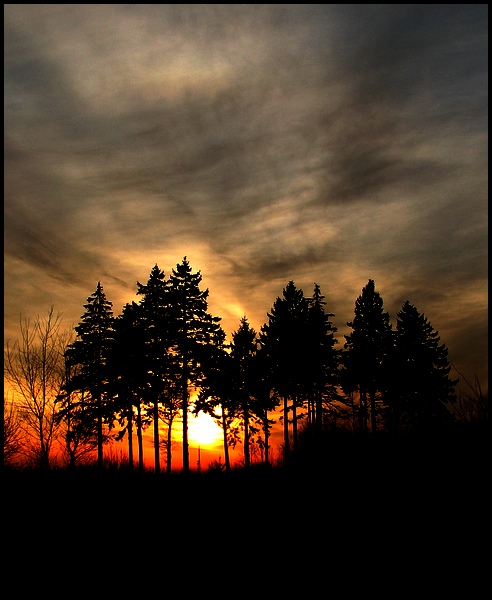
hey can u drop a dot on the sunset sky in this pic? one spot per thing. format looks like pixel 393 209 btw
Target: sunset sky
pixel 321 143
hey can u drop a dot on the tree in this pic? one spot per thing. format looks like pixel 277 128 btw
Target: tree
pixel 89 352
pixel 12 433
pixel 322 358
pixel 265 397
pixel 243 349
pixel 192 329
pixel 34 366
pixel 217 395
pixel 421 389
pixel 284 341
pixel 155 317
pixel 80 442
pixel 367 346
pixel 129 377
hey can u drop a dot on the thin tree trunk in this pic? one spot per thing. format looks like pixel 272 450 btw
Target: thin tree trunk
pixel 294 423
pixel 169 448
pixel 186 455
pixel 140 438
pixel 266 430
pixel 226 445
pixel 319 412
pixel 286 428
pixel 130 438
pixel 157 462
pixel 373 412
pixel 99 433
pixel 247 459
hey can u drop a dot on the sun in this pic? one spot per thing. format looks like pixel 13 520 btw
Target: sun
pixel 203 430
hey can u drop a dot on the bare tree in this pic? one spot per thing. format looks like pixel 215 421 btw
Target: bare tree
pixel 12 433
pixel 35 368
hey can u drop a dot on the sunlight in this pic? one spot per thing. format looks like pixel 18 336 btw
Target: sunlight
pixel 203 431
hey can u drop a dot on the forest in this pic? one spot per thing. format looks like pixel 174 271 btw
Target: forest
pixel 114 377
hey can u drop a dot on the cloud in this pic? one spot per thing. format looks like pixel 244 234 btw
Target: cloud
pixel 327 143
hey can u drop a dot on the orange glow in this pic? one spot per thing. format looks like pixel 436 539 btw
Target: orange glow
pixel 204 432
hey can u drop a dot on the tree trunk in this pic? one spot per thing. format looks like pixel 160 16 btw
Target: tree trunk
pixel 319 411
pixel 99 432
pixel 226 446
pixel 266 430
pixel 130 438
pixel 294 423
pixel 247 460
pixel 140 438
pixel 186 455
pixel 373 412
pixel 363 410
pixel 169 448
pixel 286 429
pixel 157 463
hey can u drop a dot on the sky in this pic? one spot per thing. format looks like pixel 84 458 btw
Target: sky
pixel 318 143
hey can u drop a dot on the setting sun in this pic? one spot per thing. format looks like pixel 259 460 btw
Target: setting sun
pixel 203 431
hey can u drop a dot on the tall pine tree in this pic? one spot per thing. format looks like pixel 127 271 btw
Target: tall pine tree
pixel 243 349
pixel 321 358
pixel 155 320
pixel 89 353
pixel 284 340
pixel 192 330
pixel 367 346
pixel 421 390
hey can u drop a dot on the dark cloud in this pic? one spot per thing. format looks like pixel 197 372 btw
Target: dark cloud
pixel 327 143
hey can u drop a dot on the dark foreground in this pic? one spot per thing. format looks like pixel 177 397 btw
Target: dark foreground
pixel 342 476
pixel 401 516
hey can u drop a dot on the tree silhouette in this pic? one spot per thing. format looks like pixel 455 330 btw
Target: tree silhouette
pixel 366 348
pixel 12 433
pixel 155 320
pixel 264 395
pixel 284 340
pixel 243 348
pixel 217 394
pixel 143 365
pixel 89 352
pixel 35 368
pixel 129 376
pixel 322 359
pixel 192 328
pixel 421 389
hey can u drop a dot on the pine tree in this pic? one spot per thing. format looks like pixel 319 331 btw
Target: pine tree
pixel 265 397
pixel 366 349
pixel 129 376
pixel 217 395
pixel 284 340
pixel 322 358
pixel 421 389
pixel 89 352
pixel 155 319
pixel 192 330
pixel 243 349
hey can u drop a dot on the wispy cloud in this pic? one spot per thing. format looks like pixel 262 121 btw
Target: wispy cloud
pixel 327 143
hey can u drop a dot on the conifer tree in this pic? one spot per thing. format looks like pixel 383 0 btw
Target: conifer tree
pixel 89 352
pixel 322 358
pixel 129 376
pixel 284 340
pixel 265 397
pixel 192 330
pixel 367 346
pixel 243 349
pixel 155 320
pixel 421 390
pixel 217 394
